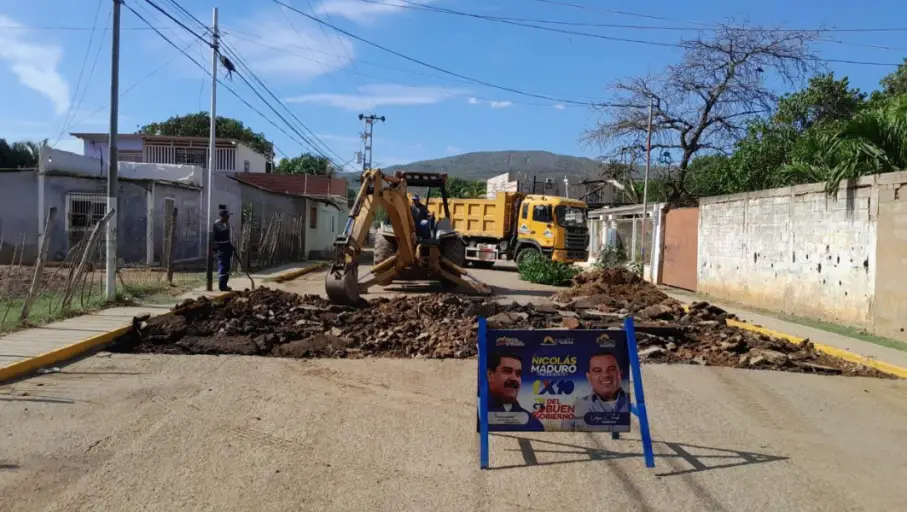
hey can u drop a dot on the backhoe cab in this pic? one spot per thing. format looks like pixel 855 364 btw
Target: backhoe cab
pixel 400 255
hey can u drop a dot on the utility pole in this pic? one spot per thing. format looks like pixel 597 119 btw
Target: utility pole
pixel 645 190
pixel 367 139
pixel 110 267
pixel 212 155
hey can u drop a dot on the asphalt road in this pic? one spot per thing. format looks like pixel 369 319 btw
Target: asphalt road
pixel 142 432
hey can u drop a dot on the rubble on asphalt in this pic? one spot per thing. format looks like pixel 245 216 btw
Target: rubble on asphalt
pixel 268 322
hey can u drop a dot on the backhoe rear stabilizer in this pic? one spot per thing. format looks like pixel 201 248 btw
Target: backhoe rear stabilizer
pixel 455 274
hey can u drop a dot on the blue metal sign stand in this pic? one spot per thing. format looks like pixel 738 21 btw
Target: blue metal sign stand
pixel 637 407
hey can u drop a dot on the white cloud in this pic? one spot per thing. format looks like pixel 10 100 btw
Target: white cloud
pixel 35 64
pixel 559 106
pixel 418 145
pixel 362 12
pixel 491 103
pixel 373 96
pixel 453 150
pixel 296 49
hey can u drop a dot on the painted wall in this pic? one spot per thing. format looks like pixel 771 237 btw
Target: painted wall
pixel 257 161
pixel 19 214
pixel 890 304
pixel 131 220
pixel 99 150
pixel 794 250
pixel 189 234
pixel 64 161
pixel 329 222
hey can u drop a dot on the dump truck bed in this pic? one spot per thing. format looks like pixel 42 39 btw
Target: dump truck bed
pixel 486 218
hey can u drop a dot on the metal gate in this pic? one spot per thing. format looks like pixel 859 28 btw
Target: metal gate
pixel 681 245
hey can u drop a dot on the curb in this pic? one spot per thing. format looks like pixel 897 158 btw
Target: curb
pixel 293 274
pixel 846 355
pixel 30 365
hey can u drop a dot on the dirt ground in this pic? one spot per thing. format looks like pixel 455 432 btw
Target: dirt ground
pixel 200 432
pixel 147 432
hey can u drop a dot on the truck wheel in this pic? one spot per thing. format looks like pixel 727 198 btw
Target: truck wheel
pixel 482 264
pixel 384 249
pixel 526 253
pixel 454 249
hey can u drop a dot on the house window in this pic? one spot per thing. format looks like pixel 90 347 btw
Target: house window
pixel 245 166
pixel 130 156
pixel 313 217
pixel 191 156
pixel 84 210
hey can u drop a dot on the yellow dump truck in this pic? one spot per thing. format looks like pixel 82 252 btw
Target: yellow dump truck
pixel 515 225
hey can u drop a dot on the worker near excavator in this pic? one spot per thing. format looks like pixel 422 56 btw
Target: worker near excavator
pixel 423 218
pixel 222 248
pixel 607 395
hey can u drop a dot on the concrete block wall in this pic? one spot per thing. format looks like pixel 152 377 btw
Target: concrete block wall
pixel 840 258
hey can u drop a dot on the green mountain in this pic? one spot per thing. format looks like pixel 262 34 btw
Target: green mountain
pixel 482 165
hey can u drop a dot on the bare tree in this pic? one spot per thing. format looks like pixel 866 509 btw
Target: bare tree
pixel 705 102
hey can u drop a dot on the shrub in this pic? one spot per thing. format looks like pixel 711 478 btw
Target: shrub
pixel 541 270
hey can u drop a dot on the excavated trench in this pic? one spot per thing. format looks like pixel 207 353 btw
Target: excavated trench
pixel 266 322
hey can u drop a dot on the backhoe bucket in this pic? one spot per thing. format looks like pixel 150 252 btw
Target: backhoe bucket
pixel 342 284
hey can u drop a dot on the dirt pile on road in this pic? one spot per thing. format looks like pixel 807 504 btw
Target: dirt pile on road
pixel 268 322
pixel 613 289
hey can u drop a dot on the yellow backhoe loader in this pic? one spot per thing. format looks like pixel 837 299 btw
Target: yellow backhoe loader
pixel 400 253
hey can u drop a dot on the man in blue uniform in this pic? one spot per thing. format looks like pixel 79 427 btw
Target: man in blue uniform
pixel 223 249
pixel 422 217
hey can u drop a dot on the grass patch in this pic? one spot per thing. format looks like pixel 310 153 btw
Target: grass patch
pixel 46 306
pixel 540 270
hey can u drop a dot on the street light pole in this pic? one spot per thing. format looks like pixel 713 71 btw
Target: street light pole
pixel 212 156
pixel 645 189
pixel 110 266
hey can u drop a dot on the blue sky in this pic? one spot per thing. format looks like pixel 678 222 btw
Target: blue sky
pixel 327 78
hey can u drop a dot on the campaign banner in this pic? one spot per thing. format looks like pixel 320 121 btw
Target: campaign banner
pixel 558 380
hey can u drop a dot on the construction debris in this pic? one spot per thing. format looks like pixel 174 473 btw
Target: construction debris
pixel 268 322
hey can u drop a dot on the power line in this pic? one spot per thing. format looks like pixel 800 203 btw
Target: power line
pixel 178 22
pixel 251 73
pixel 219 81
pixel 388 80
pixel 75 94
pixel 436 68
pixel 422 7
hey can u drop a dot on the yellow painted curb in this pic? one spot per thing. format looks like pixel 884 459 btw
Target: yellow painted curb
pixel 27 366
pixel 846 355
pixel 293 274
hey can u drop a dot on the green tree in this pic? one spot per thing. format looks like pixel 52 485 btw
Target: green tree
pixel 19 155
pixel 893 85
pixel 461 188
pixel 306 163
pixel 824 99
pixel 199 125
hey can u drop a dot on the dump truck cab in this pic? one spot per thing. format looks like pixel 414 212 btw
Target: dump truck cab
pixel 554 227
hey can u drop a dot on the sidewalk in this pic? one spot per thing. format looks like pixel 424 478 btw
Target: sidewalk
pixel 27 350
pixel 863 348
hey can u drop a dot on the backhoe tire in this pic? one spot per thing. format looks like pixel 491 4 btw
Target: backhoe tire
pixel 454 249
pixel 384 249
pixel 526 253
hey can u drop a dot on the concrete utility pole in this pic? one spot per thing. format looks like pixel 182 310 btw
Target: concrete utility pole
pixel 367 139
pixel 212 153
pixel 110 267
pixel 645 189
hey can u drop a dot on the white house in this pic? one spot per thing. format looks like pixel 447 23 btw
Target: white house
pixel 232 155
